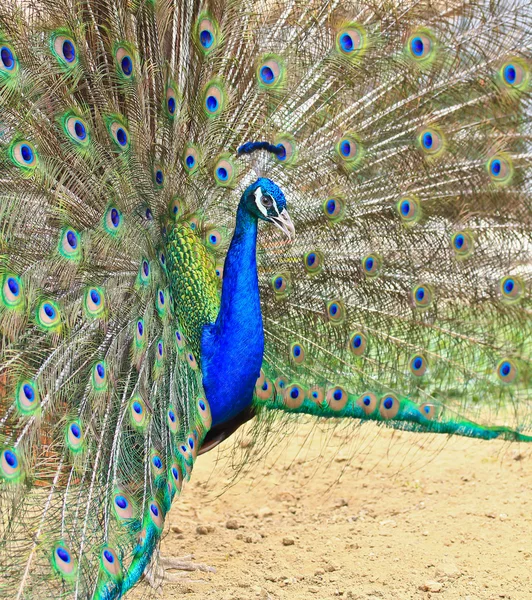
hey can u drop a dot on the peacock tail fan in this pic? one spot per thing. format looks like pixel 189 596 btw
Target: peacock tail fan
pixel 404 137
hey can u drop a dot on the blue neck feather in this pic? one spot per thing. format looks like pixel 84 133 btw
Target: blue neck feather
pixel 233 347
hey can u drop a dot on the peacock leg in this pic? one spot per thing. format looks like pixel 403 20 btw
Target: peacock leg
pixel 157 572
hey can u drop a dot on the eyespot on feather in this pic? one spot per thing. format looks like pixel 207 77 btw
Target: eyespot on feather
pixel 511 289
pixel 113 221
pixel 293 396
pixel 12 291
pixel 94 302
pixel 313 262
pixel 179 340
pixel 155 514
pixel 271 72
pixel 297 353
pixel 160 302
pixel 429 411
pixel 507 370
pixel 191 158
pixel 171 417
pixel 371 265
pixel 351 40
pixel 159 352
pixel 280 385
pixel 389 406
pixel 514 74
pixel 64 49
pixel 27 397
pixel 337 398
pixel 140 333
pixel 158 176
pixel 9 64
pixel 334 208
pixel 110 564
pixel 191 360
pixel 176 208
pixel 10 466
pixel 99 376
pixel 421 47
pixel 219 271
pixel 74 436
pixel 138 413
pixel 69 245
pixel 264 390
pixel 124 506
pixel 184 451
pixel 409 209
pixel 422 296
pixel 500 169
pixel 157 465
pixel 349 150
pixel 125 61
pixel 204 412
pixel 418 365
pixel 281 285
pixel 63 561
pixel 316 394
pixel 23 155
pixel 224 171
pixel 462 243
pixel 367 402
pixel 176 476
pixel 214 98
pixel 172 100
pixel 207 33
pixel 289 152
pixel 358 343
pixel 76 129
pixel 214 238
pixel 431 141
pixel 144 271
pixel 48 316
pixel 118 132
pixel 335 312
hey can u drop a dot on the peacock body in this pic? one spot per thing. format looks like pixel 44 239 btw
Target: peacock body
pixel 145 314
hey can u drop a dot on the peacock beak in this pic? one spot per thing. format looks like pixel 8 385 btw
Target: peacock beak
pixel 284 222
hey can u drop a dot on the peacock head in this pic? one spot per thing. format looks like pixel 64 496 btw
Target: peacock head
pixel 265 200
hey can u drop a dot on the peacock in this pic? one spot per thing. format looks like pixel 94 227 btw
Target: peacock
pixel 214 211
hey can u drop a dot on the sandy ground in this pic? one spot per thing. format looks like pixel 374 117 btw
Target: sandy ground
pixel 364 514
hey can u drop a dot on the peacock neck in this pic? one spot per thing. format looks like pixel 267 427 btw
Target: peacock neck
pixel 240 269
pixel 233 348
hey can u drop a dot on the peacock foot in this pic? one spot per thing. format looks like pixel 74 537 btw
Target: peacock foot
pixel 158 573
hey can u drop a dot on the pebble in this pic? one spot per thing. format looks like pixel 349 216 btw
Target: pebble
pixel 204 529
pixel 232 524
pixel 339 502
pixel 264 512
pixel 448 570
pixel 288 541
pixel 431 586
pixel 176 529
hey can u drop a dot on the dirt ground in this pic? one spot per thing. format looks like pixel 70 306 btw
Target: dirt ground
pixel 360 514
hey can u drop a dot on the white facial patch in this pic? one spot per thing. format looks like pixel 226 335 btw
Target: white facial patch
pixel 258 202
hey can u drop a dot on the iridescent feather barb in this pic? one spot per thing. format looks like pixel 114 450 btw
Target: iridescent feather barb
pixel 397 136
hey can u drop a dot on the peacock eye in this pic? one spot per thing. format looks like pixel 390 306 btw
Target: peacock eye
pixel 267 201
